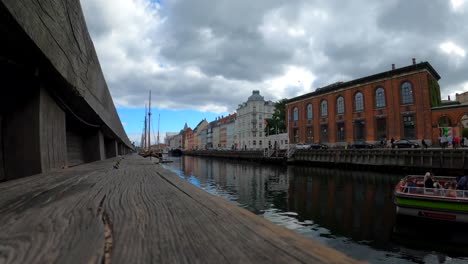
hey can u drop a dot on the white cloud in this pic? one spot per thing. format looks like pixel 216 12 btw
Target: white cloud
pixel 457 4
pixel 452 49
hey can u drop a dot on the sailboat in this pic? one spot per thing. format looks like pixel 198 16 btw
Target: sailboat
pixel 146 149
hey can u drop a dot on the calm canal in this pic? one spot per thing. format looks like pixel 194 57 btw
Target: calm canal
pixel 351 211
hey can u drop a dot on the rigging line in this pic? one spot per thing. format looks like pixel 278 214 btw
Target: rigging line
pixel 73 113
pixel 152 128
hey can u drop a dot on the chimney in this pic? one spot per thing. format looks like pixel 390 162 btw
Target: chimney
pixel 414 61
pixel 393 66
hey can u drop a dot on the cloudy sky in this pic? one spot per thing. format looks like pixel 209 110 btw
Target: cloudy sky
pixel 202 58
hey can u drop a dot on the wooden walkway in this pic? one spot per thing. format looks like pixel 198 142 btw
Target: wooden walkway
pixel 138 213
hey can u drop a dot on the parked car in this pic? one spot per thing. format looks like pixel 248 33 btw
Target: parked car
pixel 403 143
pixel 318 146
pixel 302 146
pixel 361 144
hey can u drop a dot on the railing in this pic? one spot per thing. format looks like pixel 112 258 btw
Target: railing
pixel 443 181
pixel 420 159
pixel 436 192
pixel 291 152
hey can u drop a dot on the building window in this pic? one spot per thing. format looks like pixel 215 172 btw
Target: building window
pixel 380 97
pixel 358 102
pixel 310 135
pixel 340 132
pixel 309 112
pixel 296 135
pixel 359 130
pixel 406 93
pixel 324 108
pixel 285 141
pixel 408 127
pixel 295 114
pixel 381 128
pixel 260 142
pixel 340 105
pixel 445 122
pixel 324 133
pixel 254 142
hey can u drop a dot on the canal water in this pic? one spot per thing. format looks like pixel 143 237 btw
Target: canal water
pixel 351 211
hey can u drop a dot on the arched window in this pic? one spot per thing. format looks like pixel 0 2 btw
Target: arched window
pixel 295 114
pixel 358 102
pixel 309 112
pixel 406 93
pixel 380 97
pixel 340 105
pixel 444 121
pixel 324 108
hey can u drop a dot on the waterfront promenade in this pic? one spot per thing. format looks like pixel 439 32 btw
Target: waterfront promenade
pixel 416 160
pixel 137 213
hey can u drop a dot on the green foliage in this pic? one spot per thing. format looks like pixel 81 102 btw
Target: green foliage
pixel 277 124
pixel 465 132
pixel 434 92
pixel 450 103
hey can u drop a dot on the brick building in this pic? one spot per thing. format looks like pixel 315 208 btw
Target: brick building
pixel 395 103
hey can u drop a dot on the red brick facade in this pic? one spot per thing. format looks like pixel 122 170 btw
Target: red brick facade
pixel 373 122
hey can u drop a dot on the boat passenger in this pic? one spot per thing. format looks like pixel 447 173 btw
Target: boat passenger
pixel 410 185
pixel 462 183
pixel 428 182
pixel 452 190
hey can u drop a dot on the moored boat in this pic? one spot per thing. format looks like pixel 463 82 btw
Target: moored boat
pixel 412 198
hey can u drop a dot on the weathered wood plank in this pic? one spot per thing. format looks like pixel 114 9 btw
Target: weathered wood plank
pixel 138 213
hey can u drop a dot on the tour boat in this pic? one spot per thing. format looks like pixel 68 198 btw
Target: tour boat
pixel 434 203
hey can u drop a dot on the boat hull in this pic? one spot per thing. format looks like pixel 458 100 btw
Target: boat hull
pixel 432 214
pixel 455 211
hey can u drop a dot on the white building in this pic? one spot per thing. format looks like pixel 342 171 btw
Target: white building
pixel 250 122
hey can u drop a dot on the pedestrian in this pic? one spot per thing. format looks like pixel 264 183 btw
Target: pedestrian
pixel 423 143
pixel 392 140
pixel 456 142
pixel 443 142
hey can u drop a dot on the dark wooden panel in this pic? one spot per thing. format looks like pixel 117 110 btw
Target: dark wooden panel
pixel 21 137
pixel 138 213
pixel 75 150
pixel 2 171
pixel 52 133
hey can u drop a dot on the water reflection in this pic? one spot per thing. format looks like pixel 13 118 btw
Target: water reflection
pixel 350 211
pixel 349 203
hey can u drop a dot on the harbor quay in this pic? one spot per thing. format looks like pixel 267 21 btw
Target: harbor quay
pixel 132 210
pixel 410 160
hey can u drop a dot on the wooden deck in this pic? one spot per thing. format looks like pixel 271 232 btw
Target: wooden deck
pixel 138 213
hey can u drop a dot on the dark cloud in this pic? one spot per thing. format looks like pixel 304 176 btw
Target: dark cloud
pixel 200 54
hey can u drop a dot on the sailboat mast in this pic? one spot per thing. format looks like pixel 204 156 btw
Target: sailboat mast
pixel 149 121
pixel 145 145
pixel 159 116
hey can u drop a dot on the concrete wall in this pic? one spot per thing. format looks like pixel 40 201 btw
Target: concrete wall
pixel 58 30
pixel 55 107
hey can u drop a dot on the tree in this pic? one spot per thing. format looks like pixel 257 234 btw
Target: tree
pixel 277 123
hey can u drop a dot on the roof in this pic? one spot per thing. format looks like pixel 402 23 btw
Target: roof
pixel 339 85
pixel 255 96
